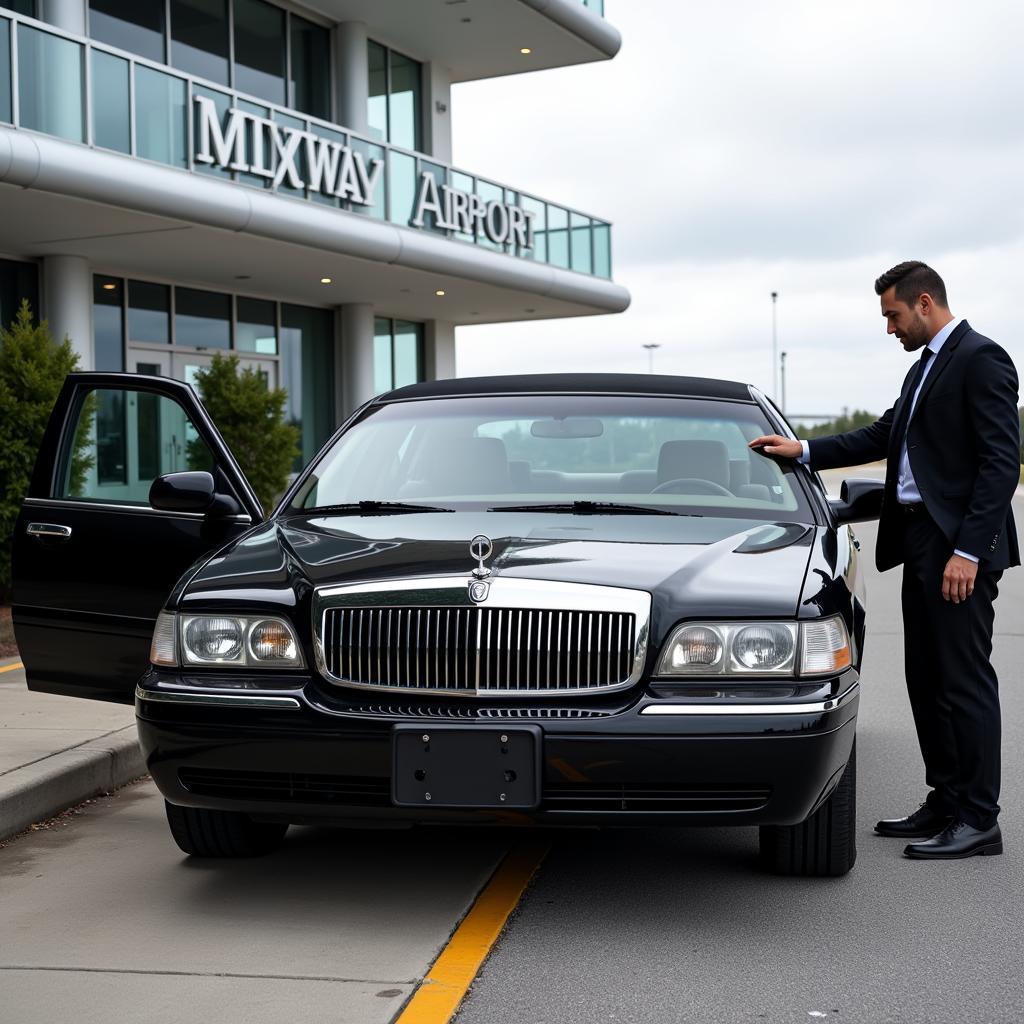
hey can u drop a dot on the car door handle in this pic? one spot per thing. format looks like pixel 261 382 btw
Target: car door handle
pixel 49 530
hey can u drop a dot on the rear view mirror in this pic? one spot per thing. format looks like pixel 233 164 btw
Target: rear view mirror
pixel 859 500
pixel 567 426
pixel 183 492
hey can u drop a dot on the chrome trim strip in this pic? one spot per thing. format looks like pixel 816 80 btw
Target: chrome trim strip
pixel 506 594
pixel 110 506
pixel 213 699
pixel 809 708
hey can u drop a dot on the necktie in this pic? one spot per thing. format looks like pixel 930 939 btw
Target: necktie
pixel 918 377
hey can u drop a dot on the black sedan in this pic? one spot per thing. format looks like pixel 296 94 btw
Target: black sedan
pixel 561 599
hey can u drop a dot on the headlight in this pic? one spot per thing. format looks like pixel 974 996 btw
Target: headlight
pixel 229 640
pixel 756 648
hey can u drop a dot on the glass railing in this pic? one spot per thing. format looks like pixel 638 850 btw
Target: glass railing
pixel 597 6
pixel 89 93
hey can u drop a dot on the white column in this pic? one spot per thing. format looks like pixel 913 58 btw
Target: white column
pixel 352 76
pixel 439 350
pixel 67 304
pixel 66 14
pixel 437 112
pixel 354 349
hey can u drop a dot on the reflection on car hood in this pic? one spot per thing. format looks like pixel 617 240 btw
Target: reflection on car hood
pixel 693 565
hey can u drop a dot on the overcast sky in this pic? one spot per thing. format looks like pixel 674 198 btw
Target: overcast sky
pixel 743 147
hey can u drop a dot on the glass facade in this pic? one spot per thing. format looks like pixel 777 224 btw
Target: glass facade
pixel 260 50
pixel 161 126
pixel 108 323
pixel 310 67
pixel 110 114
pixel 278 56
pixel 18 281
pixel 256 327
pixel 149 312
pixel 291 345
pixel 130 107
pixel 199 38
pixel 133 25
pixel 202 319
pixel 50 84
pixel 395 97
pixel 307 374
pixel 397 353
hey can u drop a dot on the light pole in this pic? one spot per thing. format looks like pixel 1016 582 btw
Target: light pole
pixel 782 387
pixel 651 346
pixel 775 343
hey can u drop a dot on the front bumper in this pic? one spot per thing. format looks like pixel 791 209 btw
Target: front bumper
pixel 288 755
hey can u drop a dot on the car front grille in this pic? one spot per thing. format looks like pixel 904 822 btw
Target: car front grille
pixel 479 650
pixel 529 637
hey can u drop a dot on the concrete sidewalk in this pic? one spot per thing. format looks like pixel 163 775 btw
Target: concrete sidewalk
pixel 58 751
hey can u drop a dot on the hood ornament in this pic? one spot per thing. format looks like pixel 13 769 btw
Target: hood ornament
pixel 480 548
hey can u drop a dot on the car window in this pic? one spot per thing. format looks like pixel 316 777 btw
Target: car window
pixel 121 440
pixel 677 453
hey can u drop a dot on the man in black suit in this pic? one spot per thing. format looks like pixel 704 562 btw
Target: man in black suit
pixel 952 449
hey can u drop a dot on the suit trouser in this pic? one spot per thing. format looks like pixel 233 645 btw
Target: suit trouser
pixel 954 692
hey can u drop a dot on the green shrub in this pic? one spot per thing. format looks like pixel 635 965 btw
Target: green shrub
pixel 32 368
pixel 250 416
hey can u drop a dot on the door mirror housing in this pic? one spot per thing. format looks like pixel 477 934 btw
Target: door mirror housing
pixel 859 500
pixel 183 492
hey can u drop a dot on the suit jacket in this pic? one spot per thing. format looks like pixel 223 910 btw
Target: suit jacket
pixel 963 443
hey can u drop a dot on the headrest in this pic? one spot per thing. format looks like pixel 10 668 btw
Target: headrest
pixel 703 460
pixel 471 465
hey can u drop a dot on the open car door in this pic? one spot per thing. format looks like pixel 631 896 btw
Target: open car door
pixel 93 561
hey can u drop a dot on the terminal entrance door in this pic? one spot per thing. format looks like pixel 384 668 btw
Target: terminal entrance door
pixel 154 427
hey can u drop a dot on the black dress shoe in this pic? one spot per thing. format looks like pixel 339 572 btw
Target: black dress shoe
pixel 924 822
pixel 958 840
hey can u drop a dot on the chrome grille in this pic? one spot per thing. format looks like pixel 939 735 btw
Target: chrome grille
pixel 479 650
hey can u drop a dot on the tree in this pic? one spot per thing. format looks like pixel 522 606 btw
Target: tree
pixel 847 421
pixel 32 369
pixel 251 418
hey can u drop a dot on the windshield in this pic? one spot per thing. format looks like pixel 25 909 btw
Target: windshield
pixel 683 455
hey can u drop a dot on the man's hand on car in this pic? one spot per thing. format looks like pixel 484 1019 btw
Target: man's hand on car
pixel 776 444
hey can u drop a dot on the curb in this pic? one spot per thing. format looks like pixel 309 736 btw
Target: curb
pixel 40 790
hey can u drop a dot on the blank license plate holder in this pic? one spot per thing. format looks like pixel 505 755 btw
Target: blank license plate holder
pixel 466 767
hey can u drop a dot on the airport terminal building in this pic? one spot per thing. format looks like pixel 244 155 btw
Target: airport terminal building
pixel 179 177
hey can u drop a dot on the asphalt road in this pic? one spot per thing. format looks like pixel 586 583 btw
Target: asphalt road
pixel 667 926
pixel 102 919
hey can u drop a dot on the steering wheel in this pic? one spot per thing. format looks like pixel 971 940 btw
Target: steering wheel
pixel 691 485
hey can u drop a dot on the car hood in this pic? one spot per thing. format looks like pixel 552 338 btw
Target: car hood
pixel 691 565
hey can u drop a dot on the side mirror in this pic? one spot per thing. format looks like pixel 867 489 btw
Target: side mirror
pixel 858 501
pixel 183 492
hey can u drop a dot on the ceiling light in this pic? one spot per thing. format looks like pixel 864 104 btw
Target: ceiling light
pixel 525 50
pixel 325 280
pixel 439 292
pixel 109 286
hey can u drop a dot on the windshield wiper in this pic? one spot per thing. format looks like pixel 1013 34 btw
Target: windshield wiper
pixel 590 508
pixel 371 508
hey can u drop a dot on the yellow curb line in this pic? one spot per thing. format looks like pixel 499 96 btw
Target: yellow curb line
pixel 446 984
pixel 11 668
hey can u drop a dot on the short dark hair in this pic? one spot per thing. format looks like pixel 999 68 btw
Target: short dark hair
pixel 913 278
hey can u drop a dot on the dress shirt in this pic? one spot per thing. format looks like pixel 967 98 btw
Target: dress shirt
pixel 907 492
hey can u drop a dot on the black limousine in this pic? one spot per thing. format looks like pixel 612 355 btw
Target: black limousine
pixel 526 600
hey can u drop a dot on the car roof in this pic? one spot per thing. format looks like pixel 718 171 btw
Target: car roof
pixel 576 383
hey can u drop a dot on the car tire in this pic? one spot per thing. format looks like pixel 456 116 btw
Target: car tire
pixel 823 846
pixel 200 832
